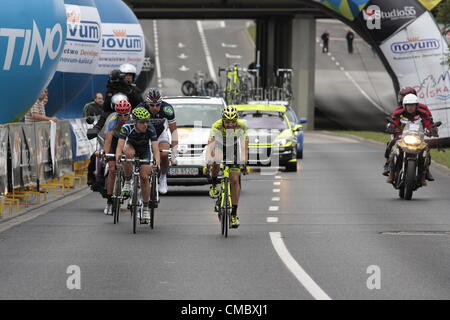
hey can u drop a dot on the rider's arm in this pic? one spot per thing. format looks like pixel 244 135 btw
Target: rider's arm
pixel 119 149
pixel 155 150
pixel 108 140
pixel 174 132
pixel 210 148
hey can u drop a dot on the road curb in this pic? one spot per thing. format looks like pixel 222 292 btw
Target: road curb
pixel 434 164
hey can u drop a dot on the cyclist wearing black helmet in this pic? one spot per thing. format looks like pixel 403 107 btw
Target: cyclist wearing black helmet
pixel 163 119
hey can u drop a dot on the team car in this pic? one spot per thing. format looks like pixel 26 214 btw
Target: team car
pixel 272 139
pixel 293 119
pixel 194 116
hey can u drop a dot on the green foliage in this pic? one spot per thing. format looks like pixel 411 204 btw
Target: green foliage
pixel 442 12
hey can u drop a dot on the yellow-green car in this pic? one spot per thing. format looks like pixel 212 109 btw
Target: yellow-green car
pixel 272 139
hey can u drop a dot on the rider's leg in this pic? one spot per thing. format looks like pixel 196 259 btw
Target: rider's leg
pixel 386 156
pixel 145 183
pixel 235 191
pixel 111 178
pixel 129 152
pixel 163 145
pixel 391 159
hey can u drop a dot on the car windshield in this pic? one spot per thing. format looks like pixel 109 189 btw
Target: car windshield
pixel 205 114
pixel 264 120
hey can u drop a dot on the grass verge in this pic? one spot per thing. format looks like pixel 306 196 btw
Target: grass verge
pixel 438 156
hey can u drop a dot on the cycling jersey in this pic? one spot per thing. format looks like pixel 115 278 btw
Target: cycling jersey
pixel 113 125
pixel 135 138
pixel 219 131
pixel 162 118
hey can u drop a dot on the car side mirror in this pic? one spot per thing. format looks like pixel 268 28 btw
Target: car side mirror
pixel 297 127
pixel 303 120
pixel 437 124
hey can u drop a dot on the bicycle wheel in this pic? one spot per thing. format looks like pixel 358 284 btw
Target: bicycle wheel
pixel 226 215
pixel 134 203
pixel 188 88
pixel 153 199
pixel 117 194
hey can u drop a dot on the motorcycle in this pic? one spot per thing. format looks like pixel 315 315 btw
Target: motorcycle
pixel 410 156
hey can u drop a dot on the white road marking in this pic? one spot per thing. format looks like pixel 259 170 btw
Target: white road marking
pixel 295 268
pixel 181 45
pixel 272 219
pixel 212 72
pixel 225 45
pixel 277 177
pixel 183 68
pixel 276 190
pixel 231 56
pixel 273 208
pixel 337 63
pixel 277 183
pixel 222 24
pixel 182 56
pixel 276 199
pixel 156 47
pixel 332 58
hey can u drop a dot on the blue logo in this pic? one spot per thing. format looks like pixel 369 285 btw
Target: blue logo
pixel 120 41
pixel 415 46
pixel 84 31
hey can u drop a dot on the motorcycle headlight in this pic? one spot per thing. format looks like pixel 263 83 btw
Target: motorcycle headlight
pixel 411 140
pixel 280 142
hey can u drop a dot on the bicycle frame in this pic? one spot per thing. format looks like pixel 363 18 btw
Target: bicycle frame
pixel 225 203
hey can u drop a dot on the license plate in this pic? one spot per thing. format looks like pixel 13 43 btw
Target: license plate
pixel 183 171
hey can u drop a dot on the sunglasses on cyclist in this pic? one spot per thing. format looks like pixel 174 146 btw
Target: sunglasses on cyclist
pixel 154 105
pixel 143 121
pixel 124 115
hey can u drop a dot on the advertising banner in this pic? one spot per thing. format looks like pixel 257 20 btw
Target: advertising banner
pixel 63 149
pixel 43 153
pixel 416 54
pixel 383 18
pixel 16 140
pixel 82 47
pixel 121 43
pixel 81 147
pixel 29 169
pixel 3 159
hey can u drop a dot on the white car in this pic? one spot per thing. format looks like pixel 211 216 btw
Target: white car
pixel 194 116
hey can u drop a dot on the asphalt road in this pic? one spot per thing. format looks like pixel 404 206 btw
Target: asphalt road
pixel 331 218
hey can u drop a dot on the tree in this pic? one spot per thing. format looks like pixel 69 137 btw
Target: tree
pixel 443 15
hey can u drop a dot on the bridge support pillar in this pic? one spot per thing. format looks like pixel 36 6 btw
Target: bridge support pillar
pixel 303 64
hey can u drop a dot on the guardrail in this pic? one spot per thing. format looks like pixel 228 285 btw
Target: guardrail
pixel 40 158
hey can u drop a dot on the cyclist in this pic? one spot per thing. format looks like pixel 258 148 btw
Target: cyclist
pixel 223 131
pixel 113 126
pixel 134 140
pixel 163 119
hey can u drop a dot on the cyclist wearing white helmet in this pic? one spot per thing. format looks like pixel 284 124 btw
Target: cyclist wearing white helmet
pixel 163 119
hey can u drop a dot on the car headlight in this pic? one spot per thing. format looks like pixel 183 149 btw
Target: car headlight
pixel 280 142
pixel 411 140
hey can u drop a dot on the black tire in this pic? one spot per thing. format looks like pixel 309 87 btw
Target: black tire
pixel 226 216
pixel 410 179
pixel 291 166
pixel 300 155
pixel 117 199
pixel 153 201
pixel 116 209
pixel 401 192
pixel 188 88
pixel 212 87
pixel 134 204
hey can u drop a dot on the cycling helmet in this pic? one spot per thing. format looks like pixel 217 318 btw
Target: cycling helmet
pixel 123 107
pixel 229 113
pixel 116 98
pixel 153 96
pixel 140 114
pixel 410 99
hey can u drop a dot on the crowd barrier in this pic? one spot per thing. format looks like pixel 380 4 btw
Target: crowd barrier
pixel 41 157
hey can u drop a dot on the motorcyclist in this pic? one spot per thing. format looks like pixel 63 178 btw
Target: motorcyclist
pixel 411 112
pixel 422 107
pixel 120 80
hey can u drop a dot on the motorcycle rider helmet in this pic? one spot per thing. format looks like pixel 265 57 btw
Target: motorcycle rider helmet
pixel 115 99
pixel 123 107
pixel 114 76
pixel 229 113
pixel 410 98
pixel 140 114
pixel 153 96
pixel 127 68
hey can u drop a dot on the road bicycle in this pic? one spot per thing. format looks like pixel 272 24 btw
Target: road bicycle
pixel 200 86
pixel 117 191
pixel 284 77
pixel 232 85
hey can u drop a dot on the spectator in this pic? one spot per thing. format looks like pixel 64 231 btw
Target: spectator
pixel 350 36
pixel 95 107
pixel 37 111
pixel 325 37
